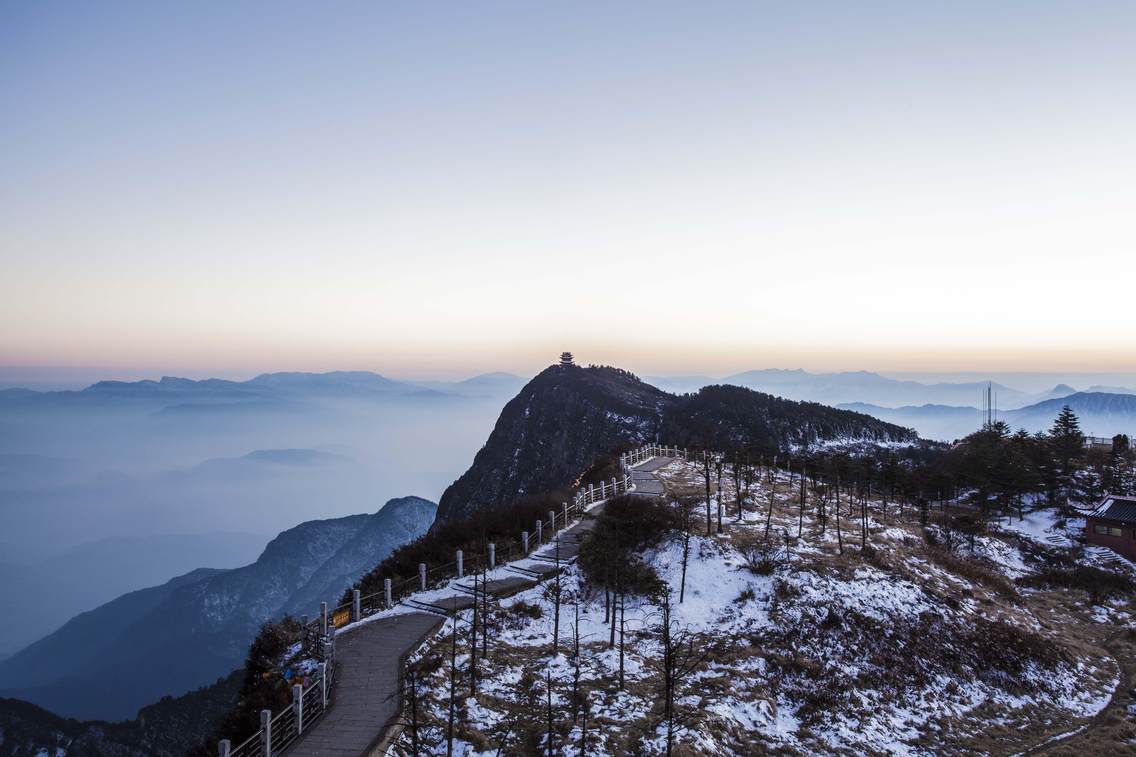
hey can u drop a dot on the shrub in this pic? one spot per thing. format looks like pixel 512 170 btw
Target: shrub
pixel 1099 584
pixel 976 569
pixel 525 609
pixel 502 525
pixel 263 687
pixel 762 555
pixel 625 527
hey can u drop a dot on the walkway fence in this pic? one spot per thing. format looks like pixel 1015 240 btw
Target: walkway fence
pixel 309 702
pixel 278 732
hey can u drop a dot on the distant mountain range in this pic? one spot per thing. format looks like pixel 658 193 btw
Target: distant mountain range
pixel 169 639
pixel 846 388
pixel 268 391
pixel 1100 413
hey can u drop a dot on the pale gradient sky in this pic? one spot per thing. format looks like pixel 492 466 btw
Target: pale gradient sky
pixel 445 188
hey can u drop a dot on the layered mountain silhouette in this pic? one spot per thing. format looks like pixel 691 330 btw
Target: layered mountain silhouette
pixel 851 386
pixel 172 638
pixel 1100 413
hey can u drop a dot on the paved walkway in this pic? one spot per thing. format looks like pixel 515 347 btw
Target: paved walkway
pixel 644 478
pixel 364 698
pixel 368 657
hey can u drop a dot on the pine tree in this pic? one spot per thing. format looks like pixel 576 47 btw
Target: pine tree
pixel 1068 447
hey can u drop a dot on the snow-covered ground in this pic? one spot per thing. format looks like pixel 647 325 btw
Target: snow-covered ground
pixel 892 651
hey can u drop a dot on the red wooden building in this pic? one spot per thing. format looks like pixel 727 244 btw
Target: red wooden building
pixel 1113 525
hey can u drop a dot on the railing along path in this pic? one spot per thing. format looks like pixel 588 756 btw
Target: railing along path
pixel 278 732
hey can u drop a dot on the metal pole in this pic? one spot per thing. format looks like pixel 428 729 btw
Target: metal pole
pixel 356 610
pixel 323 618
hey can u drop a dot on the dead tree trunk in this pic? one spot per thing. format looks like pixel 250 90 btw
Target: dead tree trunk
pixel 706 477
pixel 769 514
pixel 556 602
pixel 453 687
pixel 801 516
pixel 839 538
pixel 473 642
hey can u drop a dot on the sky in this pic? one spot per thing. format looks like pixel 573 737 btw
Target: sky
pixel 441 189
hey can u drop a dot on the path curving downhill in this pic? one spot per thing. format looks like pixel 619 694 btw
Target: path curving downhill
pixel 370 654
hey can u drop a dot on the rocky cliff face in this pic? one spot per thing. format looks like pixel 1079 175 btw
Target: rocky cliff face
pixel 568 416
pixel 168 639
pixel 557 425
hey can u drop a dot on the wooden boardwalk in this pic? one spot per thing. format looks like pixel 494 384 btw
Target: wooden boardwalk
pixel 368 657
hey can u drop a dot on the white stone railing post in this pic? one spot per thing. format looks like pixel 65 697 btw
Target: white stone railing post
pixel 551 523
pixel 422 575
pixel 323 618
pixel 539 536
pixel 356 609
pixel 525 542
pixel 387 593
pixel 266 733
pixel 565 506
pixel 591 492
pixel 492 555
pixel 323 683
pixel 461 565
pixel 298 707
pixel 223 748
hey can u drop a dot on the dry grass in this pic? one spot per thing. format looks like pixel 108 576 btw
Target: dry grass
pixel 896 547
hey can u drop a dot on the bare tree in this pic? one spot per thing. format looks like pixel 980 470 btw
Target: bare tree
pixel 473 642
pixel 622 630
pixel 584 727
pixel 718 461
pixel 747 480
pixel 772 493
pixel 412 716
pixel 556 601
pixel 548 680
pixel 706 478
pixel 801 497
pixel 839 538
pixel 684 519
pixel 484 611
pixel 453 686
pixel 736 466
pixel 680 659
pixel 414 696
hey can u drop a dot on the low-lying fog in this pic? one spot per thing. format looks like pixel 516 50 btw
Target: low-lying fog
pixel 125 486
